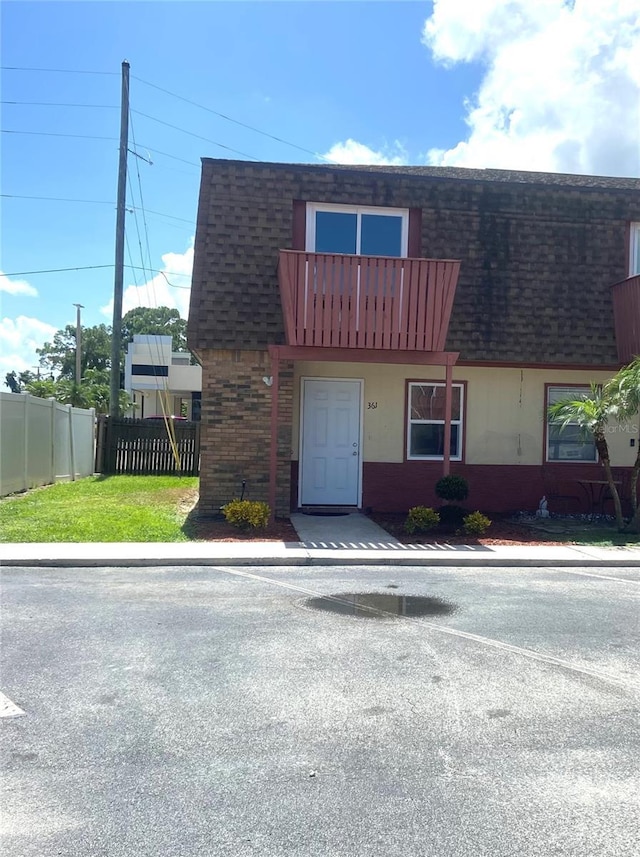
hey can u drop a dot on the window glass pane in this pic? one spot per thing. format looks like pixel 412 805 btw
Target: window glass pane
pixel 427 402
pixel 428 439
pixel 335 232
pixel 557 394
pixel 570 443
pixel 381 235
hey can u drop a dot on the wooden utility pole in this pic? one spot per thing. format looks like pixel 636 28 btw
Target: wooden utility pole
pixel 78 344
pixel 116 328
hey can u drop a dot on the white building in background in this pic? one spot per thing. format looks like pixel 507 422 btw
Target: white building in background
pixel 153 373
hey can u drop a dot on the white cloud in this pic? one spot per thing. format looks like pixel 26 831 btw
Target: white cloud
pixel 17 287
pixel 19 339
pixel 352 152
pixel 170 288
pixel 561 89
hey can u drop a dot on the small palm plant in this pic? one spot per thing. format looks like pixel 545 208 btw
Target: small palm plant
pixel 591 413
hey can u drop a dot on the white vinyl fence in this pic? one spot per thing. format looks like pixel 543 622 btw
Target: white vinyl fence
pixel 42 441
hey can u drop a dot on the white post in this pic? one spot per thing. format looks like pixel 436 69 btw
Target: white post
pixel 25 468
pixel 52 457
pixel 72 462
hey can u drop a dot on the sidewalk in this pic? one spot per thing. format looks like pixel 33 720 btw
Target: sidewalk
pixel 346 540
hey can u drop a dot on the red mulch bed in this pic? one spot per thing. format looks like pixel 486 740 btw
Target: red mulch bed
pixel 211 530
pixel 501 532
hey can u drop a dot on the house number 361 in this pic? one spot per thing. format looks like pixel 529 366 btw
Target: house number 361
pixel 371 406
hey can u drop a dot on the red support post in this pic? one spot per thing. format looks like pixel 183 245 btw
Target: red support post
pixel 447 420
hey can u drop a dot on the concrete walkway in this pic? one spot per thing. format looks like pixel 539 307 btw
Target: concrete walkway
pixel 344 540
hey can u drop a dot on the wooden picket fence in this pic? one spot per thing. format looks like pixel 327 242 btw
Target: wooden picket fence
pixel 142 447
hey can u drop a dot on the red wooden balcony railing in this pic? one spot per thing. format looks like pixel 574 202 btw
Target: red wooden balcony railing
pixel 626 313
pixel 343 301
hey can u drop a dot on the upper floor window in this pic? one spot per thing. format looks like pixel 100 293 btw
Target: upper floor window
pixel 634 250
pixel 568 443
pixel 357 230
pixel 425 424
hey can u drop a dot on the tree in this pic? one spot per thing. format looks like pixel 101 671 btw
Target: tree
pixel 160 320
pixel 11 381
pixel 618 399
pixel 43 389
pixel 59 356
pixel 92 392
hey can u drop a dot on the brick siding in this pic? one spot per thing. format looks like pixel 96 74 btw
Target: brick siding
pixel 235 429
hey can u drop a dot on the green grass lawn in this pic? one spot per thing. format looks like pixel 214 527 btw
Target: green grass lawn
pixel 600 536
pixel 101 509
pixel 595 533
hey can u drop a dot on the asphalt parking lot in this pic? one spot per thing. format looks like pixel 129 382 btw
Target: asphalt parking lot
pixel 187 711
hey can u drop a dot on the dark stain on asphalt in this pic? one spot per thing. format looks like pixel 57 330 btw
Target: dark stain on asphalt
pixel 494 713
pixel 24 757
pixel 379 605
pixel 374 710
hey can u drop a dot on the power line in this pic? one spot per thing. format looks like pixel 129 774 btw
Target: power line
pixel 57 199
pixel 55 270
pixel 92 201
pixel 144 217
pixel 59 104
pixel 231 119
pixel 188 229
pixel 198 136
pixel 167 155
pixel 54 134
pixel 56 70
pixel 94 137
pixel 171 216
pixel 95 267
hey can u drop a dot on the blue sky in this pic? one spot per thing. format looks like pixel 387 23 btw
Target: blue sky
pixel 466 82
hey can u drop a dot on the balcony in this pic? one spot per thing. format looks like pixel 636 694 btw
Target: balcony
pixel 342 301
pixel 626 313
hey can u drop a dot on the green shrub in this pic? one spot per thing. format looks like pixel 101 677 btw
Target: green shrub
pixel 452 488
pixel 247 514
pixel 421 519
pixel 451 516
pixel 475 524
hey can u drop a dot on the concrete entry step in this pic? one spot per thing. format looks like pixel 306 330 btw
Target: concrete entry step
pixel 328 511
pixel 341 527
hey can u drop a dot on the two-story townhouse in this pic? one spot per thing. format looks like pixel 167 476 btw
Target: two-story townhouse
pixel 363 330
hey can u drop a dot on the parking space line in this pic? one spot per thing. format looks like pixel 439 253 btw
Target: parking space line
pixel 9 708
pixel 591 574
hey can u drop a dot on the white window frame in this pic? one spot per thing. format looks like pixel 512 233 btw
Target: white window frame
pixel 569 388
pixel 634 249
pixel 410 422
pixel 359 210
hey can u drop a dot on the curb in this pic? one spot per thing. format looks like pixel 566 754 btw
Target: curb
pixel 310 560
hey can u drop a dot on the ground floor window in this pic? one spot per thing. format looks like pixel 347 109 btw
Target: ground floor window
pixel 425 429
pixel 570 443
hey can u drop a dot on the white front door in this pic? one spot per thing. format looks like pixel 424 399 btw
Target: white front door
pixel 330 447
